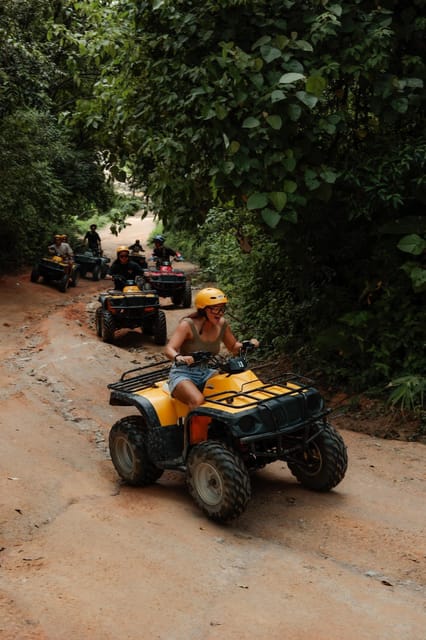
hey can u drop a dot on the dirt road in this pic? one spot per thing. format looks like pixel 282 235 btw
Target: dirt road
pixel 84 558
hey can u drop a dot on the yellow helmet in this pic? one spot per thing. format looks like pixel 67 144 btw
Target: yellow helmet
pixel 123 249
pixel 208 297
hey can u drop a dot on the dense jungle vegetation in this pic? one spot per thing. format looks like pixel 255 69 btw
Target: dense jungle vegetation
pixel 280 142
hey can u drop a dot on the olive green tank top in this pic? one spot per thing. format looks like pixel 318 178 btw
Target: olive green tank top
pixel 197 344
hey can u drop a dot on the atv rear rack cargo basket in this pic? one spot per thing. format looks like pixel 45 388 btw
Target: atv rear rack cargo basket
pixel 153 373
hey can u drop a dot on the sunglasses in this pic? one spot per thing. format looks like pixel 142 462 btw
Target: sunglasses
pixel 123 255
pixel 218 309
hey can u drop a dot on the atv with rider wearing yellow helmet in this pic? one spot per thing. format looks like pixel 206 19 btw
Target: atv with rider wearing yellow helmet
pixel 59 266
pixel 127 306
pixel 242 424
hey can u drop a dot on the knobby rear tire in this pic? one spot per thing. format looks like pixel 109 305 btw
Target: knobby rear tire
pixel 187 296
pixel 129 452
pixel 108 326
pixel 159 329
pixel 96 273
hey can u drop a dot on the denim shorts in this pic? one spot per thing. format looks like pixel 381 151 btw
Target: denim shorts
pixel 198 375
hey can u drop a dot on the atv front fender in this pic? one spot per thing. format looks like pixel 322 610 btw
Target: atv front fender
pixel 142 404
pixel 155 403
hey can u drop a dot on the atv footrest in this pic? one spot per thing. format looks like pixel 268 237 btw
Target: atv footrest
pixel 152 374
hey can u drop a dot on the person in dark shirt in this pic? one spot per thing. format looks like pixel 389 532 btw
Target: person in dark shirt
pixel 93 240
pixel 160 252
pixel 136 247
pixel 123 268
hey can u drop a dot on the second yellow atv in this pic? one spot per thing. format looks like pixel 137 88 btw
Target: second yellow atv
pixel 243 425
pixel 128 307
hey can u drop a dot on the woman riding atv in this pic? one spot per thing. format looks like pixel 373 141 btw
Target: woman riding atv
pixel 203 330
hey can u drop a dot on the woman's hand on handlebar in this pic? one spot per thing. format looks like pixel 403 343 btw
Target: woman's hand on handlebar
pixel 188 360
pixel 249 345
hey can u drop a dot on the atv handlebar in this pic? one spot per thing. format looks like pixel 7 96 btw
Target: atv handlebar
pixel 122 280
pixel 219 361
pixel 247 345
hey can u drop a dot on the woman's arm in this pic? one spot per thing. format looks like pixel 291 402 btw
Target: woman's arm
pixel 232 344
pixel 182 332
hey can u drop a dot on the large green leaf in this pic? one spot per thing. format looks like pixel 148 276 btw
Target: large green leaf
pixel 290 78
pixel 270 54
pixel 417 275
pixel 250 123
pixel 221 111
pixel 257 201
pixel 328 175
pixel 234 147
pixel 418 279
pixel 307 98
pixel 278 199
pixel 316 85
pixel 277 95
pixel 290 186
pixel 413 244
pixel 274 121
pixel 271 217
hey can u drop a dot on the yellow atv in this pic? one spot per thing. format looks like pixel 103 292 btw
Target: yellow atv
pixel 127 307
pixel 243 425
pixel 55 269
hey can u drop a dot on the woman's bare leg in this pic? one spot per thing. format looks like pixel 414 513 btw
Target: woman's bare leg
pixel 187 392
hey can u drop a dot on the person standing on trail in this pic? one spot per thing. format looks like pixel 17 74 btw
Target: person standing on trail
pixel 93 240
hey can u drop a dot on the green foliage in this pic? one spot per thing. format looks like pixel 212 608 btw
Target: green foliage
pixel 361 335
pixel 26 65
pixel 226 103
pixel 124 206
pixel 247 263
pixel 32 195
pixel 49 173
pixel 408 393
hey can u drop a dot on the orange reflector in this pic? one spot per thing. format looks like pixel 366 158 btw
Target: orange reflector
pixel 199 428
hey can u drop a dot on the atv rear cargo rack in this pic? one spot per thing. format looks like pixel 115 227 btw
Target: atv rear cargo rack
pixel 153 373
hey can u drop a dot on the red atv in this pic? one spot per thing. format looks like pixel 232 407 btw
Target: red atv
pixel 168 283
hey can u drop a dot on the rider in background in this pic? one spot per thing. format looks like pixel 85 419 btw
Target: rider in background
pixel 61 248
pixel 123 267
pixel 136 247
pixel 204 330
pixel 93 240
pixel 160 252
